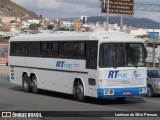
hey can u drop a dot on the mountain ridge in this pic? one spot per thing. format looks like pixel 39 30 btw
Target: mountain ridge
pixel 9 8
pixel 129 21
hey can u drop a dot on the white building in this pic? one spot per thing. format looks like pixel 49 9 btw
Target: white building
pixel 13 28
pixel 33 21
pixel 138 32
pixel 67 24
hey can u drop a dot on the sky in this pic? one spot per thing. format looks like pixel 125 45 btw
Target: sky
pixel 76 8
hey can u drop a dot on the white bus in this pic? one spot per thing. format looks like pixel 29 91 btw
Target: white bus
pixel 98 64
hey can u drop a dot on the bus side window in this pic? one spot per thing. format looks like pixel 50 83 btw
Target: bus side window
pixel 31 49
pixel 61 49
pixel 17 48
pixel 43 49
pixel 24 48
pixel 79 50
pixel 68 49
pixel 36 49
pixel 55 49
pixel 75 49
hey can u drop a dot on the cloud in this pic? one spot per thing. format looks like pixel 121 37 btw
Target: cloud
pixel 39 4
pixel 74 8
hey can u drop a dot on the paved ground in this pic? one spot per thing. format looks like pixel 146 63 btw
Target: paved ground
pixel 12 98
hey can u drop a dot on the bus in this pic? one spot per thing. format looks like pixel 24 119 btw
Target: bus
pixel 102 64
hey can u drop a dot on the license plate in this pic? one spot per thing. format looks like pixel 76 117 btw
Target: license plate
pixel 126 93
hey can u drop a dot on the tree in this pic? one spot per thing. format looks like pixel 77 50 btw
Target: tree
pixel 40 16
pixel 34 26
pixel 63 29
pixel 12 21
pixel 2 6
pixel 50 27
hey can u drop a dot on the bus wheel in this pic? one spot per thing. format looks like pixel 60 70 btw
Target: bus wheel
pixel 80 92
pixel 26 83
pixel 150 92
pixel 34 85
pixel 120 99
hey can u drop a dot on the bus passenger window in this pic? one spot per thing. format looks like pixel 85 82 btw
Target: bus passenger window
pixel 68 49
pixel 61 49
pixel 79 50
pixel 43 49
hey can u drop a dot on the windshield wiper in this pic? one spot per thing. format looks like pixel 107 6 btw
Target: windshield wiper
pixel 132 62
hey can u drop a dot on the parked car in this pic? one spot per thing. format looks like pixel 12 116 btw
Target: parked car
pixel 153 81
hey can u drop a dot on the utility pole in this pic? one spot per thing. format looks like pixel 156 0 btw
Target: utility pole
pixel 108 4
pixel 154 55
pixel 121 24
pixel 105 4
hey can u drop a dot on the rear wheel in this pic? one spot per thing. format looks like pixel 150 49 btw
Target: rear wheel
pixel 26 83
pixel 34 85
pixel 150 92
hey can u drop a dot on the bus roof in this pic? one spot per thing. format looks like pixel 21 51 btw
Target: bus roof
pixel 104 36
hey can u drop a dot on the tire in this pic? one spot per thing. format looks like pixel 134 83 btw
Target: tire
pixel 150 92
pixel 34 85
pixel 26 83
pixel 79 91
pixel 120 99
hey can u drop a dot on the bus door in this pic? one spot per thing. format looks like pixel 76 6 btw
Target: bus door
pixel 91 65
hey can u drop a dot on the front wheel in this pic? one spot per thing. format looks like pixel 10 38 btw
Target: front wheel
pixel 79 92
pixel 34 85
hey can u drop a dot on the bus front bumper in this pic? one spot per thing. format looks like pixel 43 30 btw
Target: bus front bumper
pixel 121 92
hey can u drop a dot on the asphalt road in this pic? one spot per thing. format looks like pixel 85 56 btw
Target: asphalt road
pixel 12 98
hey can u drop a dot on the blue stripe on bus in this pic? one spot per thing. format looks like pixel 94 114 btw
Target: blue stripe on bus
pixel 118 92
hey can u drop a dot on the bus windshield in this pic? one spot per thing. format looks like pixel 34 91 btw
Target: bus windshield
pixel 121 55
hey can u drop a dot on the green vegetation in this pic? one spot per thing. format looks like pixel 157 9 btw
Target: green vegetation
pixel 66 29
pixel 34 26
pixel 2 6
pixel 12 21
pixel 50 27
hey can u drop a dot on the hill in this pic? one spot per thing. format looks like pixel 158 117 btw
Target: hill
pixel 9 8
pixel 129 21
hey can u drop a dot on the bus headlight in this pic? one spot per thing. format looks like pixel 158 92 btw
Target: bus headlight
pixel 108 92
pixel 142 90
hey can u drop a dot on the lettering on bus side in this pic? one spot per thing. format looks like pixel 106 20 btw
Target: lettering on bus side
pixel 116 74
pixel 62 64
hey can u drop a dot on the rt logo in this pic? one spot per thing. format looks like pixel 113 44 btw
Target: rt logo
pixel 116 74
pixel 63 64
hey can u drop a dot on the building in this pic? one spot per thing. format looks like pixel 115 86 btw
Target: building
pixel 84 19
pixel 7 19
pixel 67 24
pixel 33 21
pixel 77 24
